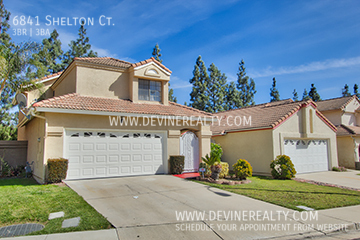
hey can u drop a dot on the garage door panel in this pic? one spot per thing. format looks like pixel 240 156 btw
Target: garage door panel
pixel 94 154
pixel 307 155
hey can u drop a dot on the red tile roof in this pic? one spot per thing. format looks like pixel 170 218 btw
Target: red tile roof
pixel 334 103
pixel 105 61
pixel 267 115
pixel 75 101
pixel 347 130
pixel 119 63
pixel 151 60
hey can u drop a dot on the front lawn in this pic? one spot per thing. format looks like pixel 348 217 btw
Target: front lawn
pixel 25 201
pixel 290 193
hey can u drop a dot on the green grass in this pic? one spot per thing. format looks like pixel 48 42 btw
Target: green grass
pixel 290 193
pixel 358 174
pixel 25 201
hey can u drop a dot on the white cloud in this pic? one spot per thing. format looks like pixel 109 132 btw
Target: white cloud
pixel 310 67
pixel 177 83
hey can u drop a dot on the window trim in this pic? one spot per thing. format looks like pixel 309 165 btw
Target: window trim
pixel 149 90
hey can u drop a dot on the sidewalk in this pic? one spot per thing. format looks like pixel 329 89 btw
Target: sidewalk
pixel 337 223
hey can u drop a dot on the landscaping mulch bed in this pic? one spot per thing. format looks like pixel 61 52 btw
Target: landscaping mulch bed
pixel 224 181
pixel 324 184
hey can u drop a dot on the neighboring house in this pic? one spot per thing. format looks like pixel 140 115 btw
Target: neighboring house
pixel 260 133
pixel 344 113
pixel 89 115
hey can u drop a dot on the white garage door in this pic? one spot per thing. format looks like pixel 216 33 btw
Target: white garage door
pixel 307 155
pixel 98 154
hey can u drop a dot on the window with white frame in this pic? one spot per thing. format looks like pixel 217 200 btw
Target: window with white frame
pixel 149 90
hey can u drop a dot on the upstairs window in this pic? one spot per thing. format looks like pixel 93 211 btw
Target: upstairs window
pixel 149 90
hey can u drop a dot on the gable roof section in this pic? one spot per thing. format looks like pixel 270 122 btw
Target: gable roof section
pixel 80 103
pixel 334 103
pixel 152 59
pixel 347 130
pixel 108 61
pixel 263 116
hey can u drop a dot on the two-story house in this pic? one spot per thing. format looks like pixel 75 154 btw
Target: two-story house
pixel 111 118
pixel 344 112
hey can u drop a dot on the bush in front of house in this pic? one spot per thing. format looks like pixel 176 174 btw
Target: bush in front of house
pixel 224 169
pixel 282 168
pixel 207 173
pixel 176 164
pixel 339 169
pixel 242 169
pixel 57 169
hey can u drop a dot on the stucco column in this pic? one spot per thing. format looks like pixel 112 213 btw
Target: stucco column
pixel 173 144
pixel 204 136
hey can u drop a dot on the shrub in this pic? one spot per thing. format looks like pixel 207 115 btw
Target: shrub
pixel 242 169
pixel 176 164
pixel 207 173
pixel 57 169
pixel 215 155
pixel 5 168
pixel 224 169
pixel 282 167
pixel 339 169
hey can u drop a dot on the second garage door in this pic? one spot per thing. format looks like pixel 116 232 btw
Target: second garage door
pixel 307 155
pixel 98 154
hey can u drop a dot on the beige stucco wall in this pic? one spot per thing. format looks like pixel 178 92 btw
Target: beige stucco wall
pixel 58 122
pixel 148 72
pixel 108 83
pixel 298 126
pixel 254 146
pixel 333 116
pixel 66 84
pixel 44 90
pixel 260 147
pixel 352 106
pixel 35 132
pixel 348 151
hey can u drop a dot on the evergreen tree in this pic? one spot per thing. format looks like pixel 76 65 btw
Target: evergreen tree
pixel 198 97
pixel 13 61
pixel 313 94
pixel 274 93
pixel 345 91
pixel 172 98
pixel 48 60
pixel 232 99
pixel 305 95
pixel 78 48
pixel 215 90
pixel 295 96
pixel 156 53
pixel 356 91
pixel 4 25
pixel 246 87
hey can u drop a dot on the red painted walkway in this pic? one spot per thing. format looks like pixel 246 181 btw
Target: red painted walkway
pixel 187 175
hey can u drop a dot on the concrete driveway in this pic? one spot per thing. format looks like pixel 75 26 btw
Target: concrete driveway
pixel 146 207
pixel 347 179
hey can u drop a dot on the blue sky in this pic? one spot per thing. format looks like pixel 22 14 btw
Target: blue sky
pixel 299 42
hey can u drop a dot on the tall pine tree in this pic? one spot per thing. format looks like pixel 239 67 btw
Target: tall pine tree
pixel 78 48
pixel 313 94
pixel 295 96
pixel 274 93
pixel 305 95
pixel 48 60
pixel 215 90
pixel 356 90
pixel 198 97
pixel 246 87
pixel 345 91
pixel 232 98
pixel 156 53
